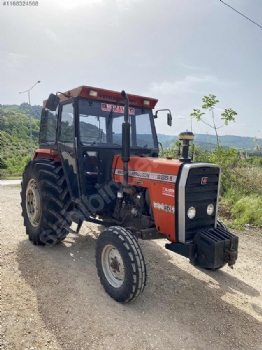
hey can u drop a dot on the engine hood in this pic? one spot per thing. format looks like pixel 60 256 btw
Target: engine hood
pixel 141 169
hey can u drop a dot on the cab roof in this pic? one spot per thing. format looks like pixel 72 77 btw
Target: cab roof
pixel 110 96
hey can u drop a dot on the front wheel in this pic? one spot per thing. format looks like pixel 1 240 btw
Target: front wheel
pixel 120 264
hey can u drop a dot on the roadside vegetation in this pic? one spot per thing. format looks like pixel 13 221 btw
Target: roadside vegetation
pixel 241 182
pixel 15 137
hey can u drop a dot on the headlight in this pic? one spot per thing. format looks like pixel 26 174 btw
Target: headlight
pixel 191 213
pixel 210 209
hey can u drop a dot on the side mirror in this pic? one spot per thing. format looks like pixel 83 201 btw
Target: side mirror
pixel 52 102
pixel 169 119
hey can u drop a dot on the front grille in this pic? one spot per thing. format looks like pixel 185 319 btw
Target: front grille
pixel 199 194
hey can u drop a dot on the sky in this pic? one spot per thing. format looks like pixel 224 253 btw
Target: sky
pixel 174 50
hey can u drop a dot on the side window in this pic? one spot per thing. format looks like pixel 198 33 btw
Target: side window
pixel 144 137
pixel 67 124
pixel 48 126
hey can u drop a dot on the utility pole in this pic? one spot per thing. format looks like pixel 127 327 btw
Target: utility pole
pixel 28 91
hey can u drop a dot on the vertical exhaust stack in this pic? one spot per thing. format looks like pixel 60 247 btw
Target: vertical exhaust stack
pixel 185 137
pixel 125 140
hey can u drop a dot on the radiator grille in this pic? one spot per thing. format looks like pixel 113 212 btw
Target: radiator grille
pixel 201 189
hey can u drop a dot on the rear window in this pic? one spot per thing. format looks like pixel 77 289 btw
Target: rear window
pixel 48 126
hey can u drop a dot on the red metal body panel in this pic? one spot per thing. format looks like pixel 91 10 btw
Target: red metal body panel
pixel 109 96
pixel 159 176
pixel 163 207
pixel 47 153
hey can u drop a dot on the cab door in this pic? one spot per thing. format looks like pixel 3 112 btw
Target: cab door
pixel 67 147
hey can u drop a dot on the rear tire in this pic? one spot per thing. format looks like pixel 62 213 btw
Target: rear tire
pixel 120 264
pixel 45 201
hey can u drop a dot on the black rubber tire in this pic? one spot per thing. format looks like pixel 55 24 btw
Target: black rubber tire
pixel 54 199
pixel 134 265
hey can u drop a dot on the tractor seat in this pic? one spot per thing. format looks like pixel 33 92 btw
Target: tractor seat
pixel 91 163
pixel 91 171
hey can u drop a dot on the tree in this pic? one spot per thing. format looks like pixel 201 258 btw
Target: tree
pixel 227 116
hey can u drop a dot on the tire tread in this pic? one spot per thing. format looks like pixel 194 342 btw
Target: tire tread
pixel 55 201
pixel 129 245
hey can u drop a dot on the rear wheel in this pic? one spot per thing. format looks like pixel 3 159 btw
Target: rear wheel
pixel 45 201
pixel 120 264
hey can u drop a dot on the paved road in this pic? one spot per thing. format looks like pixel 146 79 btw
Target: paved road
pixel 9 182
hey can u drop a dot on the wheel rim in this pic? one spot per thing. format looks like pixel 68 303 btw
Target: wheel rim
pixel 113 266
pixel 33 206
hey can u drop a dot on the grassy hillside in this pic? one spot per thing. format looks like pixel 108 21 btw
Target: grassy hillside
pixel 15 138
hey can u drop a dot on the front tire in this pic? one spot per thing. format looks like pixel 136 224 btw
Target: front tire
pixel 45 201
pixel 120 264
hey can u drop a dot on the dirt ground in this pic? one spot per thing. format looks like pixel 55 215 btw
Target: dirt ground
pixel 51 298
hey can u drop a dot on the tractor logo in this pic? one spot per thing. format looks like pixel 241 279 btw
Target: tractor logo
pixel 204 180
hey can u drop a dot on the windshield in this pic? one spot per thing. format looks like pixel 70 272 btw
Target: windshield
pixel 100 124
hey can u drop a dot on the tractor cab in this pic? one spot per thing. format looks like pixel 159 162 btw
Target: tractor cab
pixel 85 127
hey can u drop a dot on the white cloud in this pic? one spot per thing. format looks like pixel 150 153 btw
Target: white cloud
pixel 191 67
pixel 15 60
pixel 69 4
pixel 51 35
pixel 125 4
pixel 190 84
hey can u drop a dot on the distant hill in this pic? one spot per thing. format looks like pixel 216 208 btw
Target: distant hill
pixel 165 138
pixel 240 142
pixel 208 142
pixel 25 108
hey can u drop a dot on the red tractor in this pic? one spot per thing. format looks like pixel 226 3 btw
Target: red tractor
pixel 98 161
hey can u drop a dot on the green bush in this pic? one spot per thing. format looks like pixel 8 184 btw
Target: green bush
pixel 15 139
pixel 241 181
pixel 248 210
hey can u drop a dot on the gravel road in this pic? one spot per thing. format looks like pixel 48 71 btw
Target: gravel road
pixel 51 298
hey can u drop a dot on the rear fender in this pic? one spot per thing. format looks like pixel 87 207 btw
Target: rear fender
pixel 48 154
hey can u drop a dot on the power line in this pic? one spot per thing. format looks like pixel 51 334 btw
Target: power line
pixel 241 14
